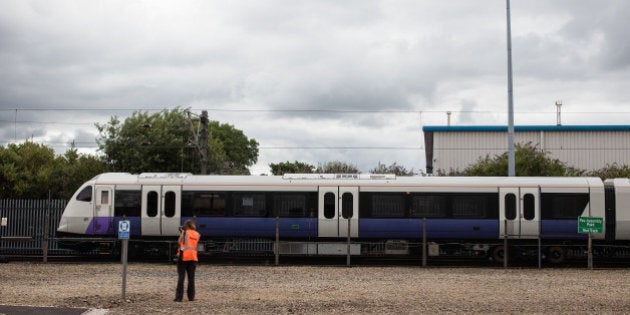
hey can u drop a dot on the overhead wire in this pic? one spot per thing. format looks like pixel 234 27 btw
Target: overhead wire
pixel 90 144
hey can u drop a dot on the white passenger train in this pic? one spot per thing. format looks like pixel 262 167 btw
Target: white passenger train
pixel 314 214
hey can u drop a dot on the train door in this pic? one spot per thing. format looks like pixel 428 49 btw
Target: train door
pixel 103 209
pixel 161 210
pixel 151 205
pixel 338 207
pixel 171 212
pixel 530 213
pixel 521 209
pixel 349 211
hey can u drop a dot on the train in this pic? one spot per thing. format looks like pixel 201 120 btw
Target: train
pixel 368 215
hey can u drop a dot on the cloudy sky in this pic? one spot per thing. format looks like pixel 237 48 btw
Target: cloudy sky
pixel 313 81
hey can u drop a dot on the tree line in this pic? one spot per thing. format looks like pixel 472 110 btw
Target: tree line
pixel 30 171
pixel 166 142
pixel 531 161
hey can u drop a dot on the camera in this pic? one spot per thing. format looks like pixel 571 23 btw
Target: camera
pixel 180 228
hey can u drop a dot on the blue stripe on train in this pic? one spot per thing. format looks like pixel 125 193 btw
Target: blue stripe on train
pixel 368 228
pixel 436 228
pixel 560 229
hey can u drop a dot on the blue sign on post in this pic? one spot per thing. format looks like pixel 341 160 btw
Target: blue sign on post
pixel 124 227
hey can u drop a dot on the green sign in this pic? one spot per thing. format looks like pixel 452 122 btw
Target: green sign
pixel 588 225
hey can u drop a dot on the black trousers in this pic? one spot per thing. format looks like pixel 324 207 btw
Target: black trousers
pixel 186 268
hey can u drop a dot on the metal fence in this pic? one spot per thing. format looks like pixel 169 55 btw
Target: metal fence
pixel 28 225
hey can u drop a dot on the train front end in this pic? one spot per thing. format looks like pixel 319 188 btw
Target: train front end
pixel 77 217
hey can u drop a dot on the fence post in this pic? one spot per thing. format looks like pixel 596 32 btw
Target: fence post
pixel 539 251
pixel 505 245
pixel 276 245
pixel 46 229
pixel 348 250
pixel 590 251
pixel 424 242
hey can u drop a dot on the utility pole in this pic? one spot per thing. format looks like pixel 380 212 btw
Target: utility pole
pixel 203 139
pixel 200 140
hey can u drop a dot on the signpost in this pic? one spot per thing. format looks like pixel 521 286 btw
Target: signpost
pixel 590 225
pixel 124 228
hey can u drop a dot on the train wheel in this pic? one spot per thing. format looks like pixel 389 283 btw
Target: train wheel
pixel 498 254
pixel 556 254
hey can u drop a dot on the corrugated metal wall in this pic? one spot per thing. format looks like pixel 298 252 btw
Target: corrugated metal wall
pixel 25 230
pixel 588 150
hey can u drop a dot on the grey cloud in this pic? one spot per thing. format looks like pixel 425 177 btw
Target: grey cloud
pixel 329 55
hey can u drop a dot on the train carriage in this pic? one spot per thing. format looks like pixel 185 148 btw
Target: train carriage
pixel 314 214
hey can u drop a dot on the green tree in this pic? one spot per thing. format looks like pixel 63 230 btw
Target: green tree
pixel 26 170
pixel 394 168
pixel 162 142
pixel 232 151
pixel 291 168
pixel 145 143
pixel 611 171
pixel 530 161
pixel 337 167
pixel 30 171
pixel 73 169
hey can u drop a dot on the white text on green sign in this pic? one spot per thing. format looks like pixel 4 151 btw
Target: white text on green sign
pixel 590 225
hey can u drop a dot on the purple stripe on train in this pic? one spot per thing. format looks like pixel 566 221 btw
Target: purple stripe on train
pixel 109 226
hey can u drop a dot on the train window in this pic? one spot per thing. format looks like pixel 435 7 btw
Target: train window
pixel 427 206
pixel 249 205
pixel 127 202
pixel 85 194
pixel 510 206
pixel 329 205
pixel 169 204
pixel 529 207
pixel 388 205
pixel 291 204
pixel 104 197
pixel 469 207
pixel 557 206
pixel 347 204
pixel 152 204
pixel 203 203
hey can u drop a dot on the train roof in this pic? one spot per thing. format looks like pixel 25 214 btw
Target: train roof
pixel 339 179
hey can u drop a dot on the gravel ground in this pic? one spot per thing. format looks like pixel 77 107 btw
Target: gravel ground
pixel 318 289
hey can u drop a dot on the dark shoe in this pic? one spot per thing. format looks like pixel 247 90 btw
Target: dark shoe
pixel 191 300
pixel 177 300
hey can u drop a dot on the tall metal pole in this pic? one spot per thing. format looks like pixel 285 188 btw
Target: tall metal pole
pixel 511 154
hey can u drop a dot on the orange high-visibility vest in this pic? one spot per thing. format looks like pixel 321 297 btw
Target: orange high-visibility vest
pixel 188 246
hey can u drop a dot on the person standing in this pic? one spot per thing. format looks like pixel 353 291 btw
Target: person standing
pixel 187 260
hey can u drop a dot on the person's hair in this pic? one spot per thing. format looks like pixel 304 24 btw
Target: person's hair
pixel 189 225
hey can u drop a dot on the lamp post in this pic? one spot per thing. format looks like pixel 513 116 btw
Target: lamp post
pixel 511 154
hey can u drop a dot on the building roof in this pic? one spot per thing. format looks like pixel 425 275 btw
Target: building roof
pixel 527 128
